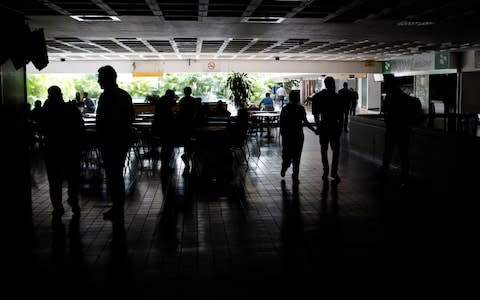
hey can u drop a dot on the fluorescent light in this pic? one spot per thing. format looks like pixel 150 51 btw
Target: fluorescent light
pixel 268 20
pixel 95 18
pixel 415 23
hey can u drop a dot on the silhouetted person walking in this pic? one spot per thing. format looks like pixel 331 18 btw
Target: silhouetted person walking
pixel 189 117
pixel 353 107
pixel 347 98
pixel 327 109
pixel 397 131
pixel 114 118
pixel 62 125
pixel 163 127
pixel 292 119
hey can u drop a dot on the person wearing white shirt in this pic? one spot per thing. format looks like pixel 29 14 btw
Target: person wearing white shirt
pixel 280 95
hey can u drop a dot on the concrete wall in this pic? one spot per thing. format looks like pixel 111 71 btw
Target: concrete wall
pixel 15 187
pixel 373 92
pixel 470 92
pixel 435 156
pixel 468 61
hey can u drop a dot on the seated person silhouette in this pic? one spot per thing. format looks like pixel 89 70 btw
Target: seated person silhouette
pixel 267 103
pixel 221 110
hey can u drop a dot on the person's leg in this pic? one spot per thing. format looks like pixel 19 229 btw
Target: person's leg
pixel 54 174
pixel 324 141
pixel 335 144
pixel 114 160
pixel 297 154
pixel 187 151
pixel 345 120
pixel 166 156
pixel 73 178
pixel 388 150
pixel 286 155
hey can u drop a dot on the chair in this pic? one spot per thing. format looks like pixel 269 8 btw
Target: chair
pixel 254 128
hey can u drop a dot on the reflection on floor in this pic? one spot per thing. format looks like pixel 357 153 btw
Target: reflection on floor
pixel 254 235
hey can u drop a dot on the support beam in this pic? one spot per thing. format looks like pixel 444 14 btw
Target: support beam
pixel 343 10
pixel 299 8
pixel 202 9
pixel 105 7
pixel 155 8
pixel 251 8
pixel 55 7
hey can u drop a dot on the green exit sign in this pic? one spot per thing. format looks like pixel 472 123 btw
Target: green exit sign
pixel 387 67
pixel 442 60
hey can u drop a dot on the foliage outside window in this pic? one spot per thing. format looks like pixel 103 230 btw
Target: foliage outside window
pixel 202 84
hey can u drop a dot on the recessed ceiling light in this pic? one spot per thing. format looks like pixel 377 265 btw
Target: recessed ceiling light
pixel 415 23
pixel 268 20
pixel 95 18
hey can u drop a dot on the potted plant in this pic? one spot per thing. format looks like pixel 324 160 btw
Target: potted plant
pixel 240 86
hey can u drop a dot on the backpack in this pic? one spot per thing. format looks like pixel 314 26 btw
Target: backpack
pixel 415 114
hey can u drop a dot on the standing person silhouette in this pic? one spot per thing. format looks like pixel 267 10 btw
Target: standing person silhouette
pixel 280 95
pixel 188 117
pixel 353 107
pixel 62 126
pixel 397 131
pixel 162 127
pixel 347 99
pixel 292 119
pixel 114 118
pixel 327 109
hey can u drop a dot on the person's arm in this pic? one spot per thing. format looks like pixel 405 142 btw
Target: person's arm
pixel 308 124
pixel 315 109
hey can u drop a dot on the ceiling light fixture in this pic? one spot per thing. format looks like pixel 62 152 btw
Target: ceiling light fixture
pixel 95 18
pixel 268 20
pixel 415 23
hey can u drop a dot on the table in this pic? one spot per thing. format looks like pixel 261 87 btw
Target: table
pixel 268 117
pixel 211 157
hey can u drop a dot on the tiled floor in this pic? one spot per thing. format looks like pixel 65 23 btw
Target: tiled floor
pixel 254 235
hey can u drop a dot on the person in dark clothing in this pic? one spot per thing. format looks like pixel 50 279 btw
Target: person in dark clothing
pixel 62 126
pixel 89 105
pixel 292 119
pixel 163 125
pixel 35 117
pixel 114 118
pixel 189 117
pixel 397 131
pixel 353 107
pixel 221 110
pixel 36 112
pixel 347 98
pixel 327 109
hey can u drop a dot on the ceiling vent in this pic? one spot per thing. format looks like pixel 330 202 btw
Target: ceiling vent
pixel 93 18
pixel 267 20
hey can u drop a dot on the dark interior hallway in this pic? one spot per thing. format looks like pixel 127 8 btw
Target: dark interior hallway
pixel 256 235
